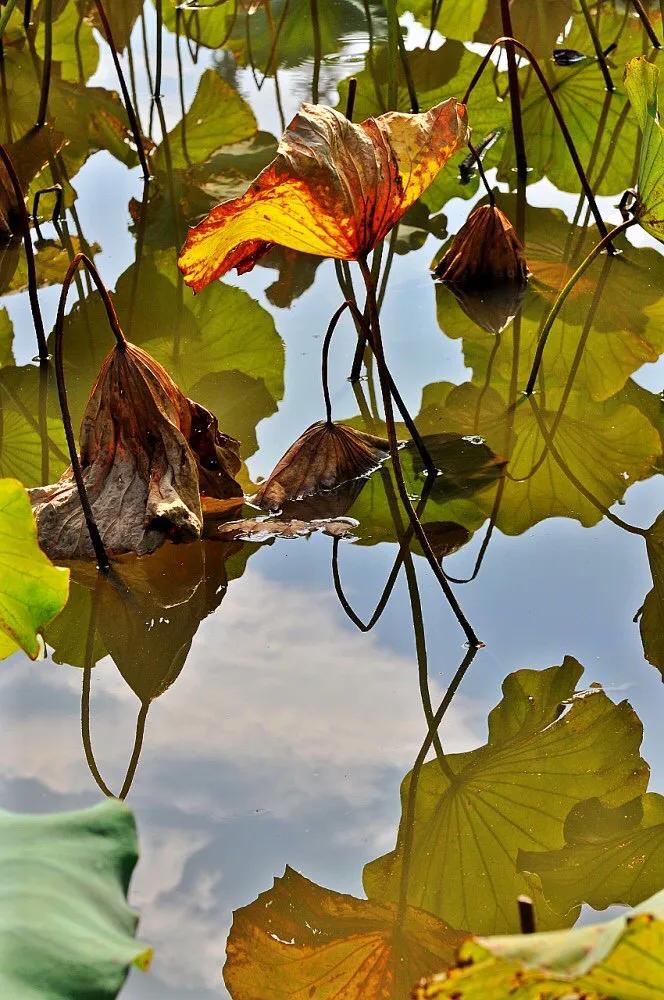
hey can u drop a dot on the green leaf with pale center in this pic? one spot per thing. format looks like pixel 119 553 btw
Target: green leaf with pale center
pixel 641 80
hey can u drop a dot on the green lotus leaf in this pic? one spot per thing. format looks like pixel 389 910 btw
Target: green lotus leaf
pixel 620 960
pixel 548 749
pixel 641 81
pixel 33 590
pixel 66 931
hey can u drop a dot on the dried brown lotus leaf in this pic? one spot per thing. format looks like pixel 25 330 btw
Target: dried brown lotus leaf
pixel 324 457
pixel 485 250
pixel 145 450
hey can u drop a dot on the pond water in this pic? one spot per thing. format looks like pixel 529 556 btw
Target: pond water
pixel 277 732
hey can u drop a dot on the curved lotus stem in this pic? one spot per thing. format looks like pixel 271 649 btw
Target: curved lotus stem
pixel 80 259
pixel 29 255
pixel 48 63
pixel 562 124
pixel 597 45
pixel 515 93
pixel 129 107
pixel 562 296
pixel 645 21
pixel 377 347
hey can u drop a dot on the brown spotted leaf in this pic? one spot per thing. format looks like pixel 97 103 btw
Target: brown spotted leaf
pixel 299 941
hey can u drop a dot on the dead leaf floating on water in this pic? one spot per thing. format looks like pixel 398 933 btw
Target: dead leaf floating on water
pixel 485 250
pixel 334 189
pixel 147 452
pixel 325 456
pixel 261 529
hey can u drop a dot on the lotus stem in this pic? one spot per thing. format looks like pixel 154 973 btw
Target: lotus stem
pixel 136 752
pixel 601 58
pixel 7 12
pixel 160 26
pixel 318 50
pixel 480 167
pixel 55 189
pixel 33 294
pixel 27 14
pixel 645 21
pixel 562 296
pixel 352 91
pixel 559 118
pixel 408 76
pixel 526 914
pixel 377 347
pixel 393 30
pixel 103 562
pixel 48 63
pixel 129 108
pixel 515 93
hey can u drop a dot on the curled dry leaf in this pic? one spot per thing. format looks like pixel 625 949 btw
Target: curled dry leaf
pixel 334 189
pixel 147 453
pixel 325 456
pixel 485 250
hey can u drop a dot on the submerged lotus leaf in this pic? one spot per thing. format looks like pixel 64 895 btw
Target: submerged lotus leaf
pixel 147 452
pixel 473 812
pixel 32 591
pixel 617 960
pixel 334 189
pixel 324 457
pixel 66 931
pixel 641 80
pixel 301 940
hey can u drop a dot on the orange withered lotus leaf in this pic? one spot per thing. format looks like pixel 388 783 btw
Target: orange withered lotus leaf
pixel 325 456
pixel 334 189
pixel 146 452
pixel 485 250
pixel 299 941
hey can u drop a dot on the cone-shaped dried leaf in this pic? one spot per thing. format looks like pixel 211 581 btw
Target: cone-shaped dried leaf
pixel 298 940
pixel 485 250
pixel 146 454
pixel 325 456
pixel 334 189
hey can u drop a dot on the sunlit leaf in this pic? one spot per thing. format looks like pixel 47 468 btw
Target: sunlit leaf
pixel 74 46
pixel 620 960
pixel 32 441
pixel 547 750
pixel 300 940
pixel 535 25
pixel 66 931
pixel 641 80
pixel 32 591
pixel 335 189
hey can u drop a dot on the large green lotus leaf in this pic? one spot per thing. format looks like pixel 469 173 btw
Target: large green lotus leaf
pixel 605 446
pixel 90 118
pixel 641 81
pixel 32 440
pixel 473 812
pixel 298 939
pixel 66 931
pixel 603 334
pixel 218 117
pixel 537 25
pixel 617 960
pixel 208 27
pixel 74 45
pixel 458 20
pixel 610 855
pixel 33 590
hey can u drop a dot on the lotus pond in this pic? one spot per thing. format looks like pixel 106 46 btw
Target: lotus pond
pixel 399 694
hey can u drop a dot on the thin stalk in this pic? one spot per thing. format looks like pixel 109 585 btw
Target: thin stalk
pixel 393 30
pixel 352 91
pixel 178 56
pixel 55 189
pixel 515 93
pixel 562 296
pixel 408 76
pixel 157 72
pixel 559 118
pixel 601 59
pixel 377 347
pixel 80 259
pixel 645 21
pixel 661 10
pixel 480 166
pixel 526 914
pixel 129 108
pixel 6 14
pixel 148 68
pixel 318 50
pixel 136 752
pixel 33 294
pixel 48 63
pixel 27 15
